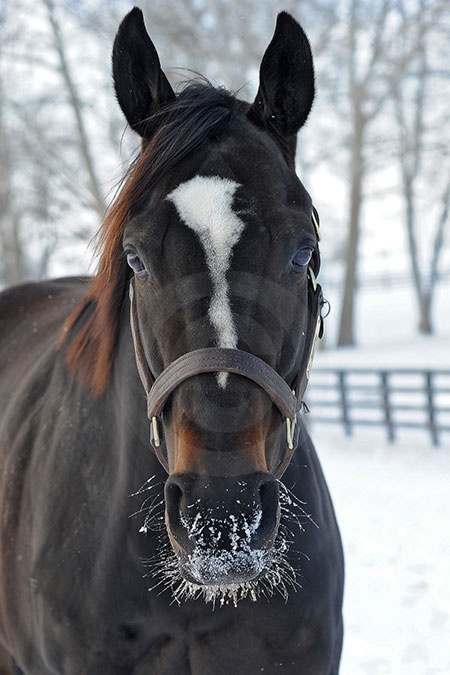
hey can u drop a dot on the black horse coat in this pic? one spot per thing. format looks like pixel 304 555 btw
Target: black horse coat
pixel 95 540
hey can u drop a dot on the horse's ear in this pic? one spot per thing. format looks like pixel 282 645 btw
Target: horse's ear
pixel 286 81
pixel 140 84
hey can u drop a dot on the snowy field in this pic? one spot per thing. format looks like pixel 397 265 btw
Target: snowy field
pixel 392 503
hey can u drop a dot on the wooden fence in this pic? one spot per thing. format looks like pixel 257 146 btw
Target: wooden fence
pixel 403 398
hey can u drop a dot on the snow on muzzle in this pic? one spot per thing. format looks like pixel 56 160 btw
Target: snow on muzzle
pixel 222 530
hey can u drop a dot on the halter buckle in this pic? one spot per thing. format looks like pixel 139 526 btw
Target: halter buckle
pixel 290 429
pixel 155 433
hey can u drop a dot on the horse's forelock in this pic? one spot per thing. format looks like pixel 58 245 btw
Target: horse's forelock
pixel 91 331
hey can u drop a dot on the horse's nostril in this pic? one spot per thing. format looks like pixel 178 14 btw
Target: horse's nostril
pixel 174 496
pixel 268 494
pixel 177 494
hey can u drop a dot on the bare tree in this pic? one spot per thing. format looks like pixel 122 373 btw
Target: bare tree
pixel 76 107
pixel 413 97
pixel 12 266
pixel 383 39
pixel 367 96
pixel 55 148
pixel 12 259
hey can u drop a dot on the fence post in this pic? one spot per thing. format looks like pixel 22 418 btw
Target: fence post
pixel 431 409
pixel 387 405
pixel 345 410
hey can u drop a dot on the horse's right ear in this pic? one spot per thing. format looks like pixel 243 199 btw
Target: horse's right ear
pixel 140 84
pixel 286 82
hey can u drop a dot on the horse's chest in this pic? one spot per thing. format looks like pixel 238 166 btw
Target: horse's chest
pixel 125 630
pixel 211 643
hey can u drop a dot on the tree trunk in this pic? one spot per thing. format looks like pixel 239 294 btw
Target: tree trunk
pixel 346 325
pixel 425 325
pixel 423 298
pixel 83 141
pixel 12 262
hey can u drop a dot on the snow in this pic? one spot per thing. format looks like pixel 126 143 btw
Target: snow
pixel 419 352
pixel 391 502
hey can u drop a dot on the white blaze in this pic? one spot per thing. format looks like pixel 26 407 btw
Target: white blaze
pixel 204 204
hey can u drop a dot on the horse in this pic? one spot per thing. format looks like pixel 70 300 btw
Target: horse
pixel 163 509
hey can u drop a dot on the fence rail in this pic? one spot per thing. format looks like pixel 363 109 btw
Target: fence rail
pixel 398 398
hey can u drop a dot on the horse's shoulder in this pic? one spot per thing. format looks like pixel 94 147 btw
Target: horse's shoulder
pixel 37 297
pixel 39 303
pixel 31 317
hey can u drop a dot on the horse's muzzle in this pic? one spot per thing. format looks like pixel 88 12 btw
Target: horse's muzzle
pixel 222 529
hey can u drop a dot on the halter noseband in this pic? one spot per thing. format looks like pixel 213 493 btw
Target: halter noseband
pixel 217 359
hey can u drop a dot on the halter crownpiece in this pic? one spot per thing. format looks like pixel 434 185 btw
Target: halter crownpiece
pixel 217 359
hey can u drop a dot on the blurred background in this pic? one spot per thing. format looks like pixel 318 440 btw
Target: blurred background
pixel 375 156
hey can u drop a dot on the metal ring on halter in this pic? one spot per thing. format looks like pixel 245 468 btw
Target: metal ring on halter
pixel 325 303
pixel 155 433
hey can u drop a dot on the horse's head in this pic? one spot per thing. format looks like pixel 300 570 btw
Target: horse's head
pixel 222 243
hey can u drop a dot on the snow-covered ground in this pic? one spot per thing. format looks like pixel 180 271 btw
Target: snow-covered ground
pixel 392 503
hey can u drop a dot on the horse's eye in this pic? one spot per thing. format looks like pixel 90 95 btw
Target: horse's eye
pixel 302 257
pixel 135 263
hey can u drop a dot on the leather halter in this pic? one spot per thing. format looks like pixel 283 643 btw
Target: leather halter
pixel 215 359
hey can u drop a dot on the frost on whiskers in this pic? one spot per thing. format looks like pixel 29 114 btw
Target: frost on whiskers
pixel 276 573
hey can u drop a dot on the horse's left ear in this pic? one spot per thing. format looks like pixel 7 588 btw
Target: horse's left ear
pixel 286 81
pixel 141 86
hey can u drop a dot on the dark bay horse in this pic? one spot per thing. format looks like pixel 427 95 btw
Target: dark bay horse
pixel 189 349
